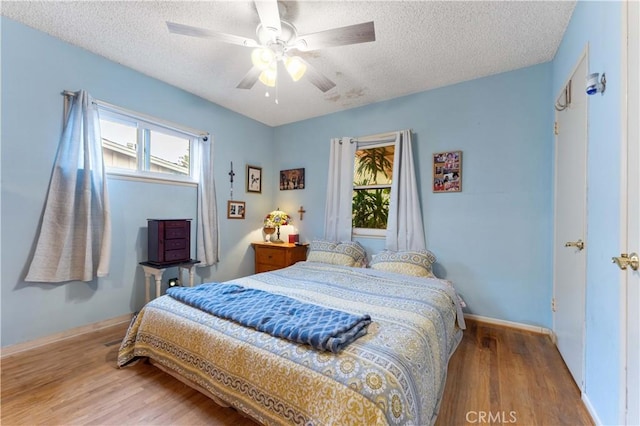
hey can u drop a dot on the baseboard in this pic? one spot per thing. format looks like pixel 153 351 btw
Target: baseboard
pixel 511 324
pixel 20 347
pixel 591 410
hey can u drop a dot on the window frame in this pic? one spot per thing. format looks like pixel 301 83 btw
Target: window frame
pixel 371 232
pixel 144 124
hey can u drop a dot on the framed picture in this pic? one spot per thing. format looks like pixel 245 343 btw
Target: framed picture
pixel 254 179
pixel 447 171
pixel 235 209
pixel 291 179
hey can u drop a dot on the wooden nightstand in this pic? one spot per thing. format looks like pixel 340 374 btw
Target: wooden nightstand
pixel 272 256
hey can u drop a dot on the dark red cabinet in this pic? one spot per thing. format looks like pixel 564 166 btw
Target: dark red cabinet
pixel 169 240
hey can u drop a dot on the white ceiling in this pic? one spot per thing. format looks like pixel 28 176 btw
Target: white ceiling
pixel 420 45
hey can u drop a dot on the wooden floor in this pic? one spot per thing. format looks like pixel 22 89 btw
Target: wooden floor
pixel 505 376
pixel 497 376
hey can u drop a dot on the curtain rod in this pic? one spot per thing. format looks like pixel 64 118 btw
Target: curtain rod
pixel 141 116
pixel 381 137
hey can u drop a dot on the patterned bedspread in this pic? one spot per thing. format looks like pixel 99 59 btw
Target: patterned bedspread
pixel 393 375
pixel 322 328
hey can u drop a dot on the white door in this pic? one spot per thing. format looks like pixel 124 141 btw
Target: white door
pixel 569 269
pixel 633 215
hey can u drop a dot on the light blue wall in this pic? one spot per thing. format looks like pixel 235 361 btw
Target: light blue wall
pixel 35 69
pixel 493 240
pixel 598 25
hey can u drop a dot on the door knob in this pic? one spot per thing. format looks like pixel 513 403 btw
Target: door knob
pixel 627 260
pixel 578 244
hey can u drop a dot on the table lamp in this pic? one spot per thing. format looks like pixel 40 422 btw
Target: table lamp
pixel 276 219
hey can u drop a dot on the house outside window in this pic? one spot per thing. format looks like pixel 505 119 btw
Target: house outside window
pixel 373 171
pixel 142 148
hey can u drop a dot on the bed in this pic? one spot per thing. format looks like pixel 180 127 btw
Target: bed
pixel 395 374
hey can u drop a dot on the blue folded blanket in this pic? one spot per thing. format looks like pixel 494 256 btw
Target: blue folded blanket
pixel 322 328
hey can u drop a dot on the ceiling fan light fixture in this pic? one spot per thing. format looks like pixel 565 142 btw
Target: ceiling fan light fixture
pixel 276 37
pixel 262 57
pixel 295 67
pixel 268 76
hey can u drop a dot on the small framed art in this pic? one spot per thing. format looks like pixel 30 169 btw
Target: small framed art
pixel 254 179
pixel 291 179
pixel 235 209
pixel 447 171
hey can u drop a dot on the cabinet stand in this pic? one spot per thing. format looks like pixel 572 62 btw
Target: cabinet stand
pixel 158 270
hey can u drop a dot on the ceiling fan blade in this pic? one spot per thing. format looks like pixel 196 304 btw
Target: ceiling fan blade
pixel 205 33
pixel 269 15
pixel 250 78
pixel 317 78
pixel 352 34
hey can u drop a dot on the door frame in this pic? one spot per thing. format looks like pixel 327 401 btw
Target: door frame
pixel 628 152
pixel 584 55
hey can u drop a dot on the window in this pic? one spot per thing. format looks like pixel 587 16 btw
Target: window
pixel 142 147
pixel 372 188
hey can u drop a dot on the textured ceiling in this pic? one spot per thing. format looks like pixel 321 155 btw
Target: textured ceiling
pixel 420 45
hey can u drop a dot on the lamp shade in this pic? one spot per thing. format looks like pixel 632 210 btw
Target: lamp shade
pixel 276 218
pixel 269 75
pixel 295 67
pixel 262 57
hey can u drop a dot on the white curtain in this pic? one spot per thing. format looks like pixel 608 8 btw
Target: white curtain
pixel 208 244
pixel 74 242
pixel 404 224
pixel 337 216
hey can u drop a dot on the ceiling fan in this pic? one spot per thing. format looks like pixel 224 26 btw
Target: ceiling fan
pixel 277 42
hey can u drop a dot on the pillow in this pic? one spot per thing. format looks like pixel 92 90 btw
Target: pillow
pixel 415 263
pixel 321 251
pixel 346 253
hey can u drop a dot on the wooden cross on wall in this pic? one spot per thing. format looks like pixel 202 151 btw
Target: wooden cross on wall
pixel 302 211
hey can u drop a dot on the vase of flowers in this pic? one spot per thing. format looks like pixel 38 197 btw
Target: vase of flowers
pixel 268 231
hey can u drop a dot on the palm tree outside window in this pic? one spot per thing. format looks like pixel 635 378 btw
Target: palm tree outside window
pixel 373 170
